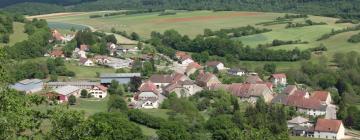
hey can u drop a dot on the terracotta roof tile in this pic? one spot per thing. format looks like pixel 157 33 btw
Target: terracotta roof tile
pixel 57 53
pixel 212 63
pixel 321 95
pixel 279 75
pixel 326 125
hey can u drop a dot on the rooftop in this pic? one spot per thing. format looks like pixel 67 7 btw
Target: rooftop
pixel 119 75
pixel 66 90
pixel 326 125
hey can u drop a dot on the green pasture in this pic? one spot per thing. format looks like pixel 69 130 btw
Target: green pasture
pixel 18 34
pixel 194 22
pixel 190 23
pixel 87 73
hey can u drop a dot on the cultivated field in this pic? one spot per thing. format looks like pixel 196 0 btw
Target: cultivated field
pixel 190 23
pixel 193 23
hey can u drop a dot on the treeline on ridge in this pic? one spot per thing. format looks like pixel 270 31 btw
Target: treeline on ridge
pixel 333 8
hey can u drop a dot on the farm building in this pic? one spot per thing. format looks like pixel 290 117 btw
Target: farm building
pixel 329 129
pixel 122 78
pixel 28 85
pixel 63 93
pixel 79 84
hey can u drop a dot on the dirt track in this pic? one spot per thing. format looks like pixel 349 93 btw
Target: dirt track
pixel 55 15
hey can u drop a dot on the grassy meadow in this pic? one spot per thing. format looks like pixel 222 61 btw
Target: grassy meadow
pixel 18 34
pixel 193 23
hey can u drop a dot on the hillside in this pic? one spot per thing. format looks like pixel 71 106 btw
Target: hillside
pixel 193 23
pixel 347 9
pixel 5 3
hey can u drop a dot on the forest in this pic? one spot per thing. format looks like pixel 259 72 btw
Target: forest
pixel 221 46
pixel 334 8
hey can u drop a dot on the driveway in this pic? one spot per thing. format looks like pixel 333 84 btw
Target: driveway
pixel 330 112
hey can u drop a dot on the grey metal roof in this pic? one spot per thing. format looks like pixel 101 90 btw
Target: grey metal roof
pixel 66 90
pixel 27 85
pixel 119 75
pixel 75 83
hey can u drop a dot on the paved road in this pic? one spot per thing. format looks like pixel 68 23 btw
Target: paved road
pixel 330 112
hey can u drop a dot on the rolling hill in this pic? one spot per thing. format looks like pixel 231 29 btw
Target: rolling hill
pixel 346 9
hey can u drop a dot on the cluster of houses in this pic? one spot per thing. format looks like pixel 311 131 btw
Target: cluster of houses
pixel 80 53
pixel 158 87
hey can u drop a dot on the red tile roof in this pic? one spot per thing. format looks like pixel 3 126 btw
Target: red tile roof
pixel 289 89
pixel 57 35
pixel 101 87
pixel 325 125
pixel 204 77
pixel 148 87
pixel 180 54
pixel 253 79
pixel 320 95
pixel 298 100
pixel 157 78
pixel 84 47
pixel 212 63
pixel 278 75
pixel 185 58
pixel 243 90
pixel 194 65
pixel 57 53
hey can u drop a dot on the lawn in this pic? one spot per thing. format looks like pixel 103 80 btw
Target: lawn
pixel 18 34
pixel 87 73
pixel 146 130
pixel 90 106
pixel 162 113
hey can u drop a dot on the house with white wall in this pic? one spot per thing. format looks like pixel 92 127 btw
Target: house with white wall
pixel 278 79
pixel 215 64
pixel 98 91
pixel 329 129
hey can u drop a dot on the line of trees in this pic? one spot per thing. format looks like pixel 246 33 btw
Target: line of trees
pixel 335 32
pixel 171 40
pixel 235 32
pixel 277 42
pixel 333 8
pixel 354 38
pixel 307 23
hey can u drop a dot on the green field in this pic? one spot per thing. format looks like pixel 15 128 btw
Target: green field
pixel 87 73
pixel 18 34
pixel 190 23
pixel 194 22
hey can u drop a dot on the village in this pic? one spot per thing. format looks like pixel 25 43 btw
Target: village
pixel 317 113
